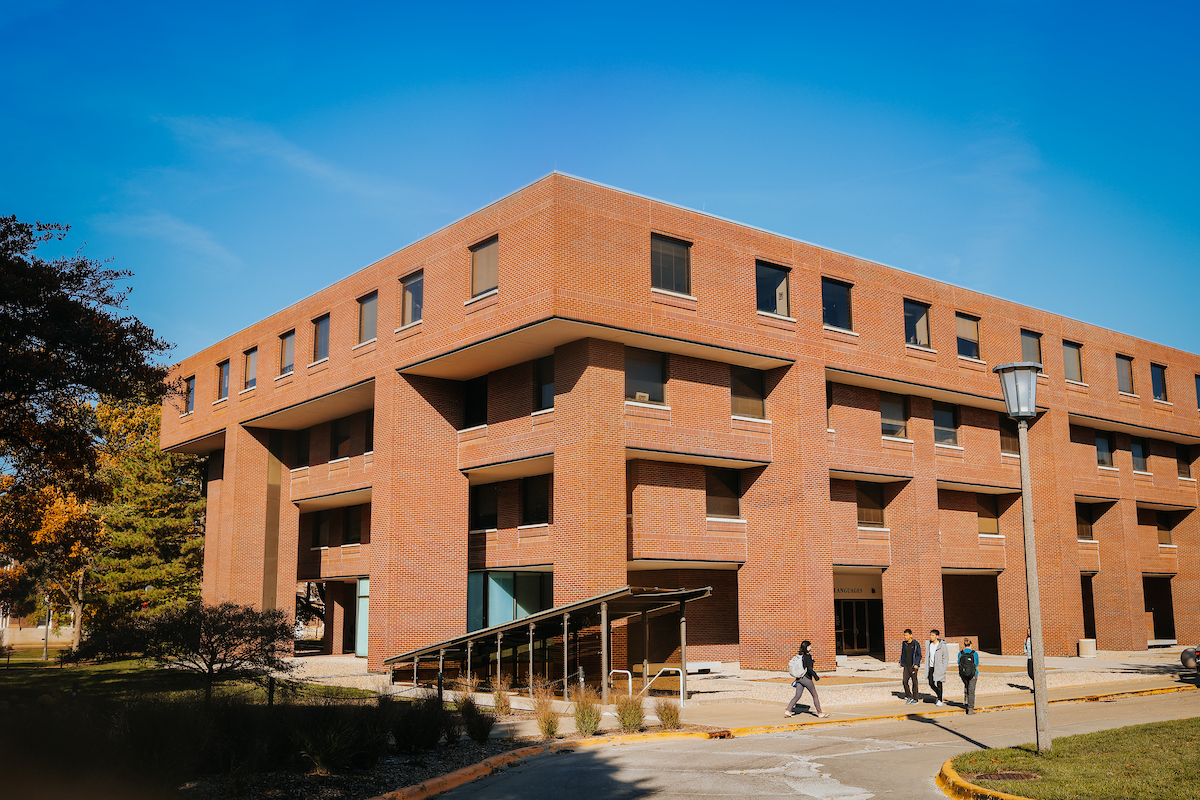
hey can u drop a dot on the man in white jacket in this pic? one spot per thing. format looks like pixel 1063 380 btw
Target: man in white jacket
pixel 938 659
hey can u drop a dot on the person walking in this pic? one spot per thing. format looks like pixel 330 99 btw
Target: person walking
pixel 1029 662
pixel 801 668
pixel 968 670
pixel 910 662
pixel 939 660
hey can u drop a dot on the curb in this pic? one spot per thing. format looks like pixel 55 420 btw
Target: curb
pixel 954 785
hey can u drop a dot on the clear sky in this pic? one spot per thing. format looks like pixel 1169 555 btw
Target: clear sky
pixel 238 157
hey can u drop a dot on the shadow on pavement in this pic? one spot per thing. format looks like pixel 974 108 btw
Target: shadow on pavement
pixel 555 776
pixel 937 724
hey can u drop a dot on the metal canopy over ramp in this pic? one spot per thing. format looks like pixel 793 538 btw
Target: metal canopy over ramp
pixel 487 645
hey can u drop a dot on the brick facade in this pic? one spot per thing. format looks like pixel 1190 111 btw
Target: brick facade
pixel 629 497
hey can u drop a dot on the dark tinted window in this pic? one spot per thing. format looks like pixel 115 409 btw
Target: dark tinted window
pixel 1010 441
pixel 746 389
pixel 835 304
pixel 870 504
pixel 722 493
pixel 250 369
pixel 1084 521
pixel 1183 457
pixel 967 328
pixel 1073 361
pixel 303 448
pixel 535 499
pixel 320 338
pixel 475 393
pixel 320 529
pixel 339 438
pixel 485 266
pixel 670 264
pixel 1104 448
pixel 1140 451
pixel 645 374
pixel 1125 374
pixel 988 514
pixel 190 395
pixel 771 287
pixel 893 414
pixel 482 511
pixel 222 380
pixel 352 525
pixel 1031 346
pixel 412 299
pixel 368 317
pixel 945 423
pixel 369 444
pixel 543 383
pixel 287 351
pixel 1158 381
pixel 916 323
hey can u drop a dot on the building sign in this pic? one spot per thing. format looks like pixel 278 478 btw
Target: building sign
pixel 853 586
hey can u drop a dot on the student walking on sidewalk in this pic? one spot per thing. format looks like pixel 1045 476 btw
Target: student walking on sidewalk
pixel 939 660
pixel 968 670
pixel 801 668
pixel 910 662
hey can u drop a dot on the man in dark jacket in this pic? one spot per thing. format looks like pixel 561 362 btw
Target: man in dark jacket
pixel 910 662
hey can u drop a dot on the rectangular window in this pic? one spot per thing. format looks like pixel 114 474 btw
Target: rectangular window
pixel 645 375
pixel 475 397
pixel 485 266
pixel 320 529
pixel 320 338
pixel 369 434
pixel 250 368
pixel 1125 374
pixel 945 423
pixel 916 323
pixel 1105 446
pixel 1031 346
pixel 670 264
pixel 543 383
pixel 771 287
pixel 722 493
pixel 303 448
pixel 829 405
pixel 1073 361
pixel 412 298
pixel 287 352
pixel 339 438
pixel 1084 520
pixel 189 394
pixel 1010 438
pixel 1183 457
pixel 536 492
pixel 482 512
pixel 835 304
pixel 988 513
pixel 368 317
pixel 870 504
pixel 1198 392
pixel 968 335
pixel 747 389
pixel 893 414
pixel 1140 451
pixel 1158 381
pixel 352 525
pixel 1165 525
pixel 223 380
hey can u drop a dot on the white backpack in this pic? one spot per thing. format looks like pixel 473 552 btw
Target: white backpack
pixel 796 667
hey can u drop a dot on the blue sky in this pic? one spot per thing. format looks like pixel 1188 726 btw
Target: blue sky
pixel 238 157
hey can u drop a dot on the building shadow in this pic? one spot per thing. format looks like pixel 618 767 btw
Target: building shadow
pixel 555 775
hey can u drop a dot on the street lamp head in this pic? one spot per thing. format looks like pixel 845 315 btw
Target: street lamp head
pixel 1018 381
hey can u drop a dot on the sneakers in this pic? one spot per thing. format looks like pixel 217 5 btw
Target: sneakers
pixel 910 702
pixel 788 714
pixel 938 703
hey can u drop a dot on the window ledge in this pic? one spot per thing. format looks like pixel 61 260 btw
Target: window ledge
pixel 549 410
pixel 830 430
pixel 873 528
pixel 186 414
pixel 972 359
pixel 1189 480
pixel 482 530
pixel 640 404
pixel 319 361
pixel 773 315
pixel 670 293
pixel 532 525
pixel 1089 541
pixel 220 400
pixel 1143 472
pixel 991 535
pixel 333 461
pixel 294 470
pixel 1010 455
pixel 725 519
pixel 948 446
pixel 483 296
pixel 352 544
pixel 1075 383
pixel 896 439
pixel 248 389
pixel 1108 469
pixel 836 329
pixel 1043 376
pixel 473 428
pixel 1172 546
pixel 322 547
pixel 1163 402
pixel 403 328
pixel 372 340
pixel 370 452
pixel 922 348
pixel 287 374
pixel 749 419
pixel 1128 394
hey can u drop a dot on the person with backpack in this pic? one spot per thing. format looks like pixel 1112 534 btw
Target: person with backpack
pixel 801 669
pixel 968 670
pixel 910 662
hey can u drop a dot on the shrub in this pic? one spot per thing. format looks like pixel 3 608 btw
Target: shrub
pixel 667 711
pixel 334 738
pixel 630 716
pixel 587 710
pixel 417 724
pixel 500 686
pixel 477 722
pixel 543 709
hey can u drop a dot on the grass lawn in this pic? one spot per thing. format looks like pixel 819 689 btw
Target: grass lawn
pixel 1159 761
pixel 30 677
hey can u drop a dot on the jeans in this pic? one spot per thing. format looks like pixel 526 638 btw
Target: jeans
pixel 935 685
pixel 801 685
pixel 911 683
pixel 969 694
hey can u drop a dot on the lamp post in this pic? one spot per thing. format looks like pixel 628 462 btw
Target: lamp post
pixel 1018 381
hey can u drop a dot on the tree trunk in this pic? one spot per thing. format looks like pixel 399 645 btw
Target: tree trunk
pixel 77 614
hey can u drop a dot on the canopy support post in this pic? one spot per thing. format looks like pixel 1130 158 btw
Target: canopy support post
pixel 604 655
pixel 682 653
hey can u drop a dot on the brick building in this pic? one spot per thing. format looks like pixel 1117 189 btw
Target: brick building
pixel 576 389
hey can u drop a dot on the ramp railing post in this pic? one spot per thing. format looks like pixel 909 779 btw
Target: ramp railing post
pixel 566 653
pixel 645 647
pixel 531 659
pixel 682 653
pixel 604 652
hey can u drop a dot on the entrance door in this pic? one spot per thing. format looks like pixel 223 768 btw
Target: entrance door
pixel 360 619
pixel 850 617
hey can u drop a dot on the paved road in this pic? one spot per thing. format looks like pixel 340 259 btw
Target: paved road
pixel 890 759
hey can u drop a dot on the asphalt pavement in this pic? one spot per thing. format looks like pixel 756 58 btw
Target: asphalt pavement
pixel 896 759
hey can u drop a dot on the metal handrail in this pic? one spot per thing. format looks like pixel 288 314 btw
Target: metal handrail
pixel 625 672
pixel 682 700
